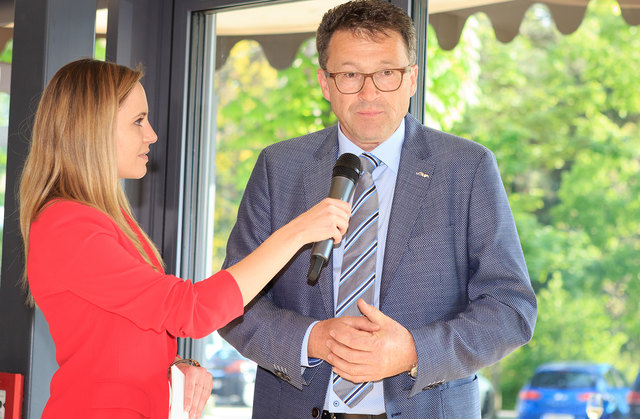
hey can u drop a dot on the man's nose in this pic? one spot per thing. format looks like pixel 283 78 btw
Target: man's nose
pixel 369 90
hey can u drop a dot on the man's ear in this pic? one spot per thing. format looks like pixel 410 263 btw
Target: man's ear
pixel 323 80
pixel 414 79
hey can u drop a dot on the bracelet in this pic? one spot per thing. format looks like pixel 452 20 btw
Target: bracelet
pixel 189 361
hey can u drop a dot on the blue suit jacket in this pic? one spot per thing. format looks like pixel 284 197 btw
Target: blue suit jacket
pixel 454 274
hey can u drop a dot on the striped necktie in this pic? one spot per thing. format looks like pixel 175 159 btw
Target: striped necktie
pixel 359 265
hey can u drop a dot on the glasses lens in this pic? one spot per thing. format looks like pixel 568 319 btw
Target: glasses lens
pixel 387 80
pixel 349 82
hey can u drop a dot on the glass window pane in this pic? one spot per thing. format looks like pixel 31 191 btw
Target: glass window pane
pixel 100 48
pixel 561 113
pixel 264 90
pixel 5 83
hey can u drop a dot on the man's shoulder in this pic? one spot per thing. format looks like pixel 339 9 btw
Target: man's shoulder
pixel 442 144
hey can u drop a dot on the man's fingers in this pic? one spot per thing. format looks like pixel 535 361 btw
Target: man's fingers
pixel 351 353
pixel 371 312
pixel 356 373
pixel 358 340
pixel 360 323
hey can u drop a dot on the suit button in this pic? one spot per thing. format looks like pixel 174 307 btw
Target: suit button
pixel 315 412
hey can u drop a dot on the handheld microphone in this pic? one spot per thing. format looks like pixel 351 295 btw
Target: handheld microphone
pixel 346 172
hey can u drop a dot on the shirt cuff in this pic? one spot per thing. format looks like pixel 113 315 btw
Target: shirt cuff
pixel 305 361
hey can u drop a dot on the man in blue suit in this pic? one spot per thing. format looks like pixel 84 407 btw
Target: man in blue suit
pixel 452 293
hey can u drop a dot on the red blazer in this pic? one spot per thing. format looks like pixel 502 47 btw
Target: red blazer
pixel 113 318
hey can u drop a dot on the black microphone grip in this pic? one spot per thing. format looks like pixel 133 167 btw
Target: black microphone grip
pixel 345 176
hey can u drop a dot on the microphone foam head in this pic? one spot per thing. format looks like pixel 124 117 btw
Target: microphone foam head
pixel 348 165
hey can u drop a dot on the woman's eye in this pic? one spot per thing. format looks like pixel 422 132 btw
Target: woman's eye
pixel 139 121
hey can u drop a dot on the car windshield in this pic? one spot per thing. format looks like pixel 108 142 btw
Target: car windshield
pixel 563 379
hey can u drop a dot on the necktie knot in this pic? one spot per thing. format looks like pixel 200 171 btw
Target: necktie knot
pixel 369 162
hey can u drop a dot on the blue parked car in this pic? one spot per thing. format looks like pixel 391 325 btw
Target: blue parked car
pixel 633 398
pixel 560 391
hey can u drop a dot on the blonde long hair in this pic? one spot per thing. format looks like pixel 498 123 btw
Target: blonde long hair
pixel 73 147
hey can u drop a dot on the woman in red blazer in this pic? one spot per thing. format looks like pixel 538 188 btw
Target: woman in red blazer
pixel 113 313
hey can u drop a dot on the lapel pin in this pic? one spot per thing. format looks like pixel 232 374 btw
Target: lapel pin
pixel 423 174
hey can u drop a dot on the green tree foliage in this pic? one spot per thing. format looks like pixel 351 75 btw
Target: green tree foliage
pixel 100 49
pixel 7 52
pixel 5 57
pixel 257 106
pixel 561 114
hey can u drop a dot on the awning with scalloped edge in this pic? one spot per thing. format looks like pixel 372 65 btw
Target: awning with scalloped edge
pixel 506 16
pixel 280 29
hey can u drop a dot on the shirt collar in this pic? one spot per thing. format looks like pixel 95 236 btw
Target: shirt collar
pixel 388 151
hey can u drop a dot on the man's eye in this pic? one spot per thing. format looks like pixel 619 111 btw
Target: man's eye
pixel 351 75
pixel 386 73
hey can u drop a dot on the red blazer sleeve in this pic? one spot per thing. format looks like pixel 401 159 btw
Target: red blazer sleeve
pixel 78 249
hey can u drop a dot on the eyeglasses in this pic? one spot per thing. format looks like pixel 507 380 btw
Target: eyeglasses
pixel 387 80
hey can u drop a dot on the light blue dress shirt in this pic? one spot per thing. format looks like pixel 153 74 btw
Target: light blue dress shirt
pixel 384 177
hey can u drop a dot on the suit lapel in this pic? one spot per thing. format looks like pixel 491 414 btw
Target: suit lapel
pixel 414 177
pixel 412 184
pixel 317 180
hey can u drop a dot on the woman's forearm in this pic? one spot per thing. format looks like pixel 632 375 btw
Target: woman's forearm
pixel 254 271
pixel 327 219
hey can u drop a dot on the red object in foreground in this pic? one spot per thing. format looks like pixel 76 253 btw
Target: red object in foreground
pixel 12 386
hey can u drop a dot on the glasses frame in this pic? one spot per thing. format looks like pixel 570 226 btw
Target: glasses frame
pixel 333 76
